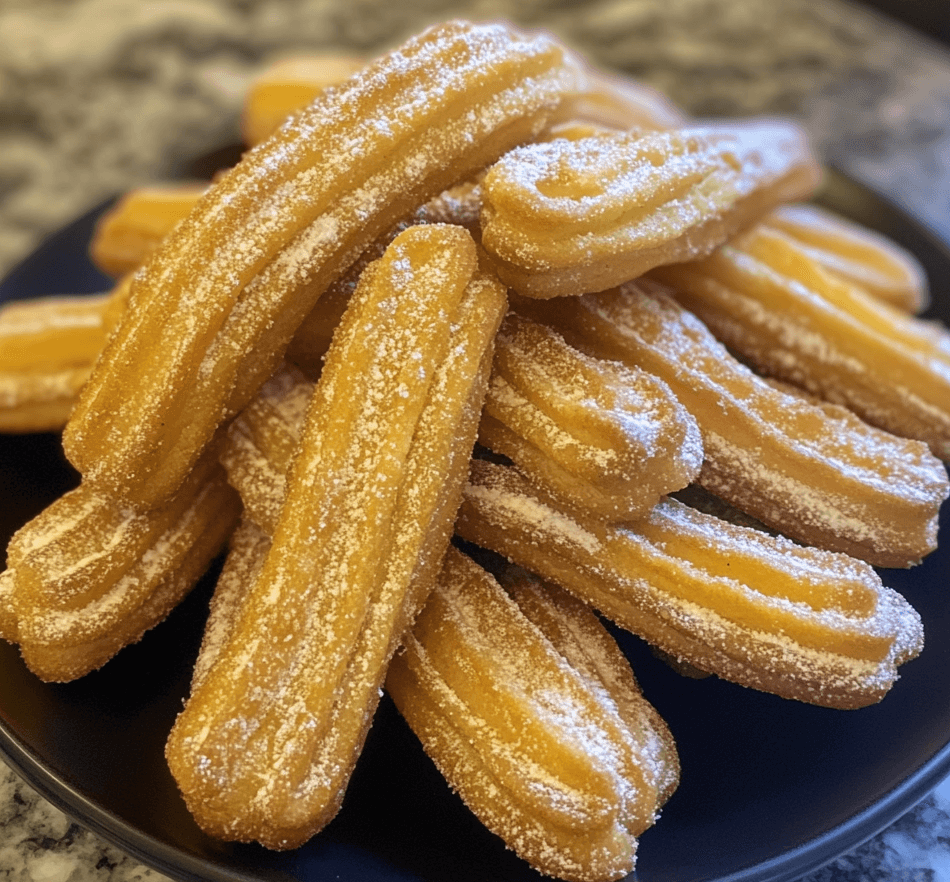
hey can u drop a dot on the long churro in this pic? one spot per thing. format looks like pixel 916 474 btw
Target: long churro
pixel 812 471
pixel 755 609
pixel 766 298
pixel 574 216
pixel 509 692
pixel 221 298
pixel 270 734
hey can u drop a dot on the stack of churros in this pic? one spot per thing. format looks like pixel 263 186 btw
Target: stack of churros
pixel 475 288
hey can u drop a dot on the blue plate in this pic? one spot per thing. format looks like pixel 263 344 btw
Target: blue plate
pixel 771 789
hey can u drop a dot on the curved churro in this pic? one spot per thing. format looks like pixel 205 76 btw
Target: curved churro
pixel 573 216
pixel 218 303
pixel 88 577
pixel 609 438
pixel 814 472
pixel 855 253
pixel 767 299
pixel 754 609
pixel 524 702
pixel 366 521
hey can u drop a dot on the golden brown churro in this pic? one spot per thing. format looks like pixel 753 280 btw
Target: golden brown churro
pixel 607 437
pixel 221 298
pixel 755 609
pixel 269 736
pixel 573 216
pixel 814 472
pixel 508 692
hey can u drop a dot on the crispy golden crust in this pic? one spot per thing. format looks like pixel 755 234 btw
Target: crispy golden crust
pixel 606 437
pixel 855 253
pixel 814 472
pixel 220 300
pixel 573 216
pixel 755 609
pixel 88 576
pixel 768 299
pixel 508 692
pixel 366 520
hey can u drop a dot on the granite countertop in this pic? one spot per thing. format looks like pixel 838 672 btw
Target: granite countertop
pixel 99 95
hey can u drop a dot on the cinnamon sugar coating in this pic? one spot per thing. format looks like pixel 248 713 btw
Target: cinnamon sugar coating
pixel 768 299
pixel 89 576
pixel 813 471
pixel 573 216
pixel 758 610
pixel 268 738
pixel 607 437
pixel 527 706
pixel 218 303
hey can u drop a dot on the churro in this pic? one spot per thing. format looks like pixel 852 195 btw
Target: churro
pixel 855 253
pixel 370 500
pixel 767 299
pixel 812 471
pixel 758 610
pixel 607 437
pixel 138 222
pixel 574 216
pixel 88 577
pixel 219 301
pixel 48 346
pixel 508 691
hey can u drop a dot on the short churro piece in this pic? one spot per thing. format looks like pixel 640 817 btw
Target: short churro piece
pixel 128 233
pixel 217 305
pixel 857 254
pixel 755 609
pixel 286 86
pixel 607 437
pixel 814 472
pixel 574 216
pixel 370 501
pixel 768 300
pixel 527 706
pixel 89 577
pixel 47 349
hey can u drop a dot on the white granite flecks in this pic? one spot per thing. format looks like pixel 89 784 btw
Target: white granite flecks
pixel 97 96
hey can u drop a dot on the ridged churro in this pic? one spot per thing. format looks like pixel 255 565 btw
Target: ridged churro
pixel 509 692
pixel 575 216
pixel 48 346
pixel 767 299
pixel 812 471
pixel 607 437
pixel 88 577
pixel 219 301
pixel 361 534
pixel 856 253
pixel 758 610
pixel 138 222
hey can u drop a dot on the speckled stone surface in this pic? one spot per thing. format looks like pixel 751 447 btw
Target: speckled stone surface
pixel 100 95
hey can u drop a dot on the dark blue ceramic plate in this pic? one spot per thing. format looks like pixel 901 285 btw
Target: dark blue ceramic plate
pixel 771 789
